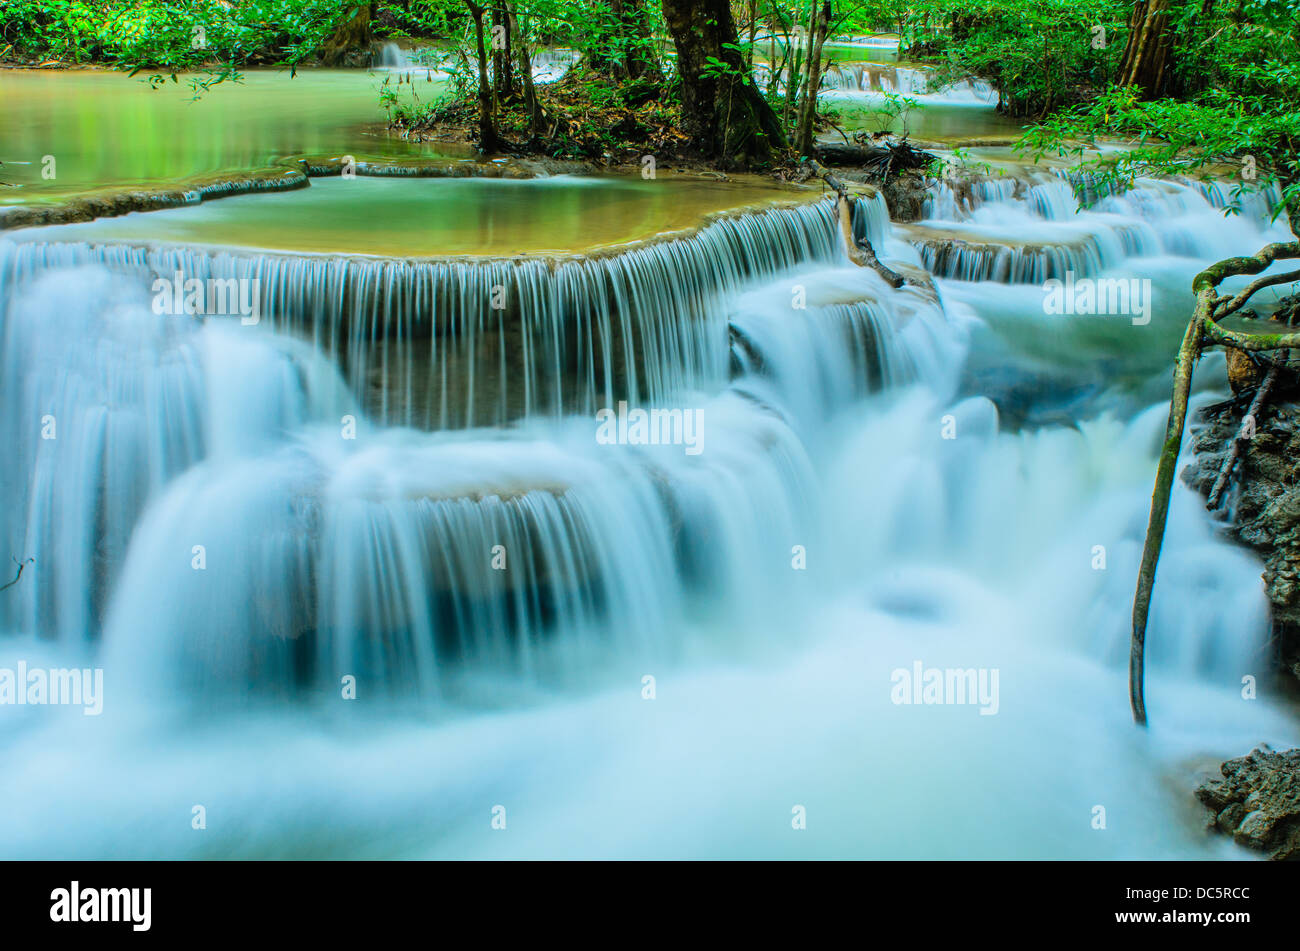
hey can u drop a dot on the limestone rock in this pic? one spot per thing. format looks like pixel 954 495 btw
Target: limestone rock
pixel 1257 801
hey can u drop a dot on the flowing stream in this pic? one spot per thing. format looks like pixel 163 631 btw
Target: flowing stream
pixel 627 650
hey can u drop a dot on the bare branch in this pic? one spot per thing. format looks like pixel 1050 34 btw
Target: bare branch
pixel 1188 352
pixel 1244 434
pixel 860 252
pixel 21 565
pixel 1221 310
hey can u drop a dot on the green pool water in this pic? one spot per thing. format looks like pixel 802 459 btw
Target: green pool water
pixel 65 133
pixel 104 129
pixel 929 121
pixel 421 217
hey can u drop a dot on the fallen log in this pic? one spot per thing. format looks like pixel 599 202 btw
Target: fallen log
pixel 892 277
pixel 880 159
pixel 850 154
pixel 860 252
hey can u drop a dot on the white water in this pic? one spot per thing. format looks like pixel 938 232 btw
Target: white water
pixel 549 65
pixel 328 556
pixel 872 81
pixel 997 234
pixel 392 56
pixel 574 337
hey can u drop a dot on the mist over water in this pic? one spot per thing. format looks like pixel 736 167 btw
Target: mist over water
pixel 860 505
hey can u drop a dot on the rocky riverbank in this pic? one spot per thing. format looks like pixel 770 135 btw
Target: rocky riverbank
pixel 1257 801
pixel 1263 504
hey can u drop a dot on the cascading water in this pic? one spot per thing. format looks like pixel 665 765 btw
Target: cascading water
pixel 872 80
pixel 464 343
pixel 120 419
pixel 878 77
pixel 549 65
pixel 501 596
pixel 997 234
pixel 392 56
pixel 869 77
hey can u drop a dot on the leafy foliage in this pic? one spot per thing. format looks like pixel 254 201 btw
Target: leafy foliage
pixel 1247 114
pixel 1041 54
pixel 169 36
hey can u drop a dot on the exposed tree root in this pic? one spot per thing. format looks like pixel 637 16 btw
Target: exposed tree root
pixel 1202 331
pixel 1249 422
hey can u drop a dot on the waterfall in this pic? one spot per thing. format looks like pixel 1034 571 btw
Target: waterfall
pixel 975 510
pixel 187 401
pixel 97 431
pixel 472 342
pixel 1054 201
pixel 410 558
pixel 877 79
pixel 550 65
pixel 838 352
pixel 865 77
pixel 944 204
pixel 389 486
pixel 1014 232
pixel 392 56
pixel 870 42
pixel 1085 256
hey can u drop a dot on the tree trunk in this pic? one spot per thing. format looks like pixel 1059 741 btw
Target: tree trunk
pixel 725 116
pixel 804 137
pixel 776 67
pixel 1147 50
pixel 793 83
pixel 802 69
pixel 502 71
pixel 808 58
pixel 753 32
pixel 353 34
pixel 535 115
pixel 1190 79
pixel 487 131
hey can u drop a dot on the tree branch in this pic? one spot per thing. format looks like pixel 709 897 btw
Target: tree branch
pixel 860 252
pixel 21 565
pixel 1223 309
pixel 1244 434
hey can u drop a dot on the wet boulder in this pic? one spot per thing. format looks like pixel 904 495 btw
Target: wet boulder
pixel 1257 801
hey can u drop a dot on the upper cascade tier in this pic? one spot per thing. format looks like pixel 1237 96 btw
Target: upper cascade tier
pixel 471 342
